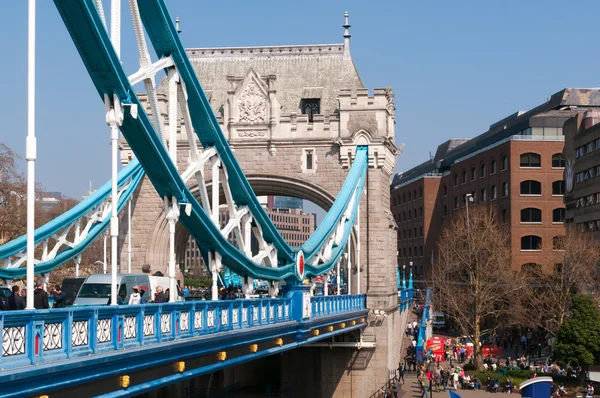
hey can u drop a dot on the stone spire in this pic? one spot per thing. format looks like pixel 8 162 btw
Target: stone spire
pixel 346 37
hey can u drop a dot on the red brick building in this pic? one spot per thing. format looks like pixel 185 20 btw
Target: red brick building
pixel 516 166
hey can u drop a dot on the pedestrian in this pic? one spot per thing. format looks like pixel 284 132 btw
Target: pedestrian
pixel 60 300
pixel 135 298
pixel 40 297
pixel 401 371
pixel 24 293
pixel 15 301
pixel 395 387
pixel 160 296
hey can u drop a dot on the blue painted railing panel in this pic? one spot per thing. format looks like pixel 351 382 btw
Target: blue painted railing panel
pixel 332 305
pixel 31 337
pixel 425 318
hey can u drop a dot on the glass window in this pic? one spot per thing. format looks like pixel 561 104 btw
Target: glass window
pixel 504 162
pixel 421 231
pixel 445 210
pixel 531 187
pixel 558 215
pixel 558 160
pixel 455 179
pixel 483 170
pixel 445 190
pixel 558 187
pixel 504 215
pixel 558 243
pixel 493 167
pixel 531 242
pixel 531 214
pixel 309 159
pixel 420 211
pixel 415 194
pixel 403 216
pixel 456 202
pixel 409 215
pixel 409 197
pixel 421 250
pixel 504 189
pixel 464 177
pixel 409 233
pixel 473 174
pixel 483 195
pixel 420 192
pixel 310 107
pixel 493 193
pixel 531 160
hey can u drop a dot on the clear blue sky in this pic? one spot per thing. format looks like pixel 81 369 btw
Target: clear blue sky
pixel 455 66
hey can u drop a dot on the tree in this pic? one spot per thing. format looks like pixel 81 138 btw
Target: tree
pixel 570 269
pixel 474 281
pixel 578 338
pixel 13 195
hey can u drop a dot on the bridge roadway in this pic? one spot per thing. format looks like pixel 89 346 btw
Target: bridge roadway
pixel 127 350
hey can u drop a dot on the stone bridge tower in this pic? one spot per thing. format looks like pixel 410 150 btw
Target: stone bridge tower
pixel 294 116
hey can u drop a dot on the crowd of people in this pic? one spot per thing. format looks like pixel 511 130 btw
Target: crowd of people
pixel 18 298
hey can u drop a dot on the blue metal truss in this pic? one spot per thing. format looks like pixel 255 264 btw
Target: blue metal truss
pixel 91 39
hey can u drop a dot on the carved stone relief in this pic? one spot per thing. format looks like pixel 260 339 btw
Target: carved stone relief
pixel 252 105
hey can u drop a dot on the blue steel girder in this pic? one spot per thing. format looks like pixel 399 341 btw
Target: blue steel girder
pixel 93 43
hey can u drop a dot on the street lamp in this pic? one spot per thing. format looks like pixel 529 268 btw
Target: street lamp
pixel 469 199
pixel 403 276
pixel 410 281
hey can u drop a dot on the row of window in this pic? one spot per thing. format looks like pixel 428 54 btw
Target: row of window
pixel 587 148
pixel 482 198
pixel 533 242
pixel 584 201
pixel 411 196
pixel 410 252
pixel 532 187
pixel 589 226
pixel 411 233
pixel 411 214
pixel 532 214
pixel 482 172
pixel 588 174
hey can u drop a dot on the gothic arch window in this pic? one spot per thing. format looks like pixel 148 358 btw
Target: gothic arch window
pixel 310 107
pixel 558 243
pixel 493 167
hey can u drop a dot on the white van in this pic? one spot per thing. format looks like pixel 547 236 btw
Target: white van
pixel 96 288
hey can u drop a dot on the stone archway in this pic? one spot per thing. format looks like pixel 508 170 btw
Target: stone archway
pixel 157 247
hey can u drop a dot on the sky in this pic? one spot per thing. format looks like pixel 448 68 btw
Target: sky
pixel 455 67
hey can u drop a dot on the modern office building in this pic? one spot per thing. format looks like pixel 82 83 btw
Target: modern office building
pixel 516 166
pixel 582 154
pixel 286 202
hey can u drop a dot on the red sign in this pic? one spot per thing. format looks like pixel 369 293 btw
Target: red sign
pixel 300 265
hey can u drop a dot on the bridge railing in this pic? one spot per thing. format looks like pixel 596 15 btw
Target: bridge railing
pixel 424 329
pixel 30 337
pixel 405 299
pixel 330 305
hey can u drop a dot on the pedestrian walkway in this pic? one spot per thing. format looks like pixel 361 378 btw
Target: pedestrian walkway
pixel 411 390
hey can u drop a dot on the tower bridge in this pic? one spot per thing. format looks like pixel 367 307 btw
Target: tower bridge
pixel 224 126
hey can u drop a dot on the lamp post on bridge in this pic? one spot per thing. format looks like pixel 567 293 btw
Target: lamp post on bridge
pixel 30 152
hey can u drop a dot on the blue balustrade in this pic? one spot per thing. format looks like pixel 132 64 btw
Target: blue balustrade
pixel 425 318
pixel 331 305
pixel 30 337
pixel 33 337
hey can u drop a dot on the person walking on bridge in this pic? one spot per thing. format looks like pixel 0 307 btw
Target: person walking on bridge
pixel 160 296
pixel 15 301
pixel 135 298
pixel 40 297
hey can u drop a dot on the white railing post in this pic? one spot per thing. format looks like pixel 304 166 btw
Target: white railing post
pixel 338 277
pixel 114 118
pixel 358 249
pixel 172 215
pixel 129 236
pixel 349 276
pixel 30 152
pixel 104 263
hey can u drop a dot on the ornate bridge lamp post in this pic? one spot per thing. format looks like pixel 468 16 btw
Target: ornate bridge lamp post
pixel 403 276
pixel 410 281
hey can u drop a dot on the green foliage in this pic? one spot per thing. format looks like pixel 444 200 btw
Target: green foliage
pixel 578 338
pixel 197 282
